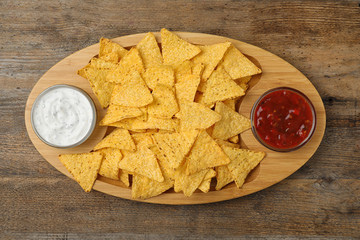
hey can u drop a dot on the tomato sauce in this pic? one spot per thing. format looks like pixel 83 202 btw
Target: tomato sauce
pixel 283 119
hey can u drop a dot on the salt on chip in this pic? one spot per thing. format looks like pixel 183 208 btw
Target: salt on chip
pixel 160 74
pixel 223 177
pixel 164 104
pixel 210 56
pixel 237 65
pixel 221 87
pixel 117 113
pixel 186 89
pixel 132 93
pixel 176 50
pixel 183 69
pixel 196 116
pixel 149 51
pixel 204 154
pixel 124 177
pixel 142 162
pixel 242 162
pixel 110 163
pixel 84 167
pixel 119 138
pixel 107 47
pixel 231 123
pixel 205 184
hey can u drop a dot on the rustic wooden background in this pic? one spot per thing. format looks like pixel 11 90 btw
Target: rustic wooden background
pixel 321 200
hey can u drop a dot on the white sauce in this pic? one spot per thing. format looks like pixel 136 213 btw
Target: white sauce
pixel 62 116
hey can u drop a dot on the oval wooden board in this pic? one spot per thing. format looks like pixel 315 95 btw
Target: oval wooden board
pixel 274 168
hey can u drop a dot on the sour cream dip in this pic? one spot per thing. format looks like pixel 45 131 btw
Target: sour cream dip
pixel 63 116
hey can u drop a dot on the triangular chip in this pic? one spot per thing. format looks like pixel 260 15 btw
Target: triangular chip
pixel 117 113
pixel 112 57
pixel 144 187
pixel 119 138
pixel 161 74
pixel 198 69
pixel 205 153
pixel 205 184
pixel 100 63
pixel 149 51
pixel 143 139
pixel 167 171
pixel 129 63
pixel 197 116
pixel 202 86
pixel 221 87
pixel 231 123
pixel 182 70
pixel 110 164
pixel 124 177
pixel 84 167
pixel 242 162
pixel 176 50
pixel 164 104
pixel 142 162
pixel 234 139
pixel 223 177
pixel 230 103
pixel 237 65
pixel 107 47
pixel 186 89
pixel 151 123
pixel 210 56
pixel 226 143
pixel 132 93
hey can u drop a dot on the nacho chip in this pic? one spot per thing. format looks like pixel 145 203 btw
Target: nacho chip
pixel 82 72
pixel 110 163
pixel 223 177
pixel 112 57
pixel 234 139
pixel 152 123
pixel 210 56
pixel 237 65
pixel 132 93
pixel 202 86
pixel 164 104
pixel 144 187
pixel 221 87
pixel 196 116
pixel 242 162
pixel 198 69
pixel 205 184
pixel 176 50
pixel 100 63
pixel 142 162
pixel 117 113
pixel 107 47
pixel 186 89
pixel 230 103
pixel 149 51
pixel 143 139
pixel 84 167
pixel 182 70
pixel 205 153
pixel 119 138
pixel 167 171
pixel 160 74
pixel 231 123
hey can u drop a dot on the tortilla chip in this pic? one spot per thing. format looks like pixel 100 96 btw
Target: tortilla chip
pixel 205 184
pixel 196 116
pixel 167 171
pixel 112 57
pixel 234 139
pixel 230 103
pixel 164 104
pixel 205 153
pixel 186 89
pixel 182 70
pixel 82 72
pixel 117 113
pixel 132 93
pixel 237 65
pixel 198 69
pixel 143 139
pixel 107 47
pixel 84 167
pixel 101 63
pixel 142 162
pixel 210 56
pixel 160 74
pixel 130 63
pixel 202 86
pixel 231 123
pixel 149 51
pixel 223 177
pixel 152 123
pixel 110 163
pixel 144 187
pixel 124 177
pixel 176 50
pixel 119 138
pixel 221 87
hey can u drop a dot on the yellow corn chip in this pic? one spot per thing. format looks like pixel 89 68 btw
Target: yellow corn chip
pixel 167 171
pixel 205 184
pixel 119 138
pixel 151 123
pixel 124 177
pixel 110 163
pixel 221 87
pixel 117 113
pixel 130 63
pixel 149 51
pixel 237 65
pixel 82 72
pixel 99 85
pixel 160 74
pixel 198 69
pixel 244 80
pixel 223 177
pixel 107 47
pixel 176 50
pixel 132 93
pixel 143 139
pixel 112 57
pixel 242 162
pixel 182 70
pixel 186 89
pixel 144 187
pixel 164 104
pixel 234 139
pixel 202 86
pixel 142 162
pixel 100 63
pixel 230 103
pixel 84 167
pixel 197 116
pixel 231 123
pixel 204 154
pixel 210 56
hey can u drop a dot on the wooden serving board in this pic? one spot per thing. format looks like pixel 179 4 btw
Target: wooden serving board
pixel 275 167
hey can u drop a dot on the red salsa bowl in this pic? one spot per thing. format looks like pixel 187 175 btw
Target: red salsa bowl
pixel 283 119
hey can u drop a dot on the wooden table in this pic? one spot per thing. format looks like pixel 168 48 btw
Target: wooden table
pixel 321 200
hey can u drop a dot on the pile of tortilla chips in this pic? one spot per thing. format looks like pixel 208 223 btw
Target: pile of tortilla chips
pixel 173 113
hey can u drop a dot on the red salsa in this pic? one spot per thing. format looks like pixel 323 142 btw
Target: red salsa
pixel 283 119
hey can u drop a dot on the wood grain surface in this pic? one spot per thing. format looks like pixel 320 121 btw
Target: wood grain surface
pixel 321 200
